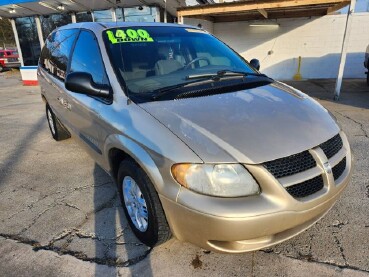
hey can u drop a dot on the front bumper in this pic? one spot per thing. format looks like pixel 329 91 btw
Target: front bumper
pixel 12 65
pixel 235 225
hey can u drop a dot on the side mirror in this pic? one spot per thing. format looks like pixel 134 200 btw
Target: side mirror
pixel 255 64
pixel 81 82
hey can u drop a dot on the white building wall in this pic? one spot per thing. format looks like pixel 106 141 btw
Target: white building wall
pixel 206 25
pixel 317 40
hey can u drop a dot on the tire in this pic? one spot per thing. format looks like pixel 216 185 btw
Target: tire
pixel 156 230
pixel 1 68
pixel 57 129
pixel 367 76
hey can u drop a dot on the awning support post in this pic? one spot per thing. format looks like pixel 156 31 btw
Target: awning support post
pixel 345 42
pixel 39 31
pixel 165 11
pixel 113 15
pixel 15 32
pixel 179 17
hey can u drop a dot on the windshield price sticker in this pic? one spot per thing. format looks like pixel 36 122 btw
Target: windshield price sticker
pixel 129 35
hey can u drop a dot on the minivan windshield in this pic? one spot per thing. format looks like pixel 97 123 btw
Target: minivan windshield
pixel 151 60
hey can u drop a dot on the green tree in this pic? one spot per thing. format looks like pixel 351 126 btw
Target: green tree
pixel 6 33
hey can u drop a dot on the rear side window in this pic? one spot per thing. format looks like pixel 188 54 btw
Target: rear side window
pixel 55 54
pixel 1 54
pixel 87 58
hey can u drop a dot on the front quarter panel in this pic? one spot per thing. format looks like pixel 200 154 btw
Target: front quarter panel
pixel 153 146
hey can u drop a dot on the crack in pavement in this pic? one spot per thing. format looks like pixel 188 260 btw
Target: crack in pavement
pixel 69 234
pixel 34 220
pixel 338 242
pixel 36 246
pixel 71 206
pixel 65 193
pixel 312 260
pixel 355 121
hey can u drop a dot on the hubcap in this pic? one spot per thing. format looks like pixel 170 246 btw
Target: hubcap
pixel 51 122
pixel 135 203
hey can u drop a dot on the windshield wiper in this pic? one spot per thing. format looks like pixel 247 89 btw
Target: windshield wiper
pixel 224 73
pixel 165 90
pixel 159 93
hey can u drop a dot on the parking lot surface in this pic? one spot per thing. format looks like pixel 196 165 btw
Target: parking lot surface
pixel 60 214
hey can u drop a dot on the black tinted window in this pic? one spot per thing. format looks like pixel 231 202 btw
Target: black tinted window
pixel 55 54
pixel 87 58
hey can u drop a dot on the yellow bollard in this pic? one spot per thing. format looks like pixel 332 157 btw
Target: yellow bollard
pixel 297 76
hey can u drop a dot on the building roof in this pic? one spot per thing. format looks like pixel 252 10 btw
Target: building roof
pixel 22 8
pixel 262 9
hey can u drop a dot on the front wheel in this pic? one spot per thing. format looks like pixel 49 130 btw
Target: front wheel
pixel 141 205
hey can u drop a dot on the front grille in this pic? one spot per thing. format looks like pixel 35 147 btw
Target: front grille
pixel 290 165
pixel 332 146
pixel 339 168
pixel 306 188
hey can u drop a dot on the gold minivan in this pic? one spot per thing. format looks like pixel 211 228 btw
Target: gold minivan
pixel 202 146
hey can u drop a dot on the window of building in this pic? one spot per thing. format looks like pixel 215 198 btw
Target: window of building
pixel 84 17
pixel 362 6
pixel 103 16
pixel 51 22
pixel 88 59
pixel 138 14
pixel 28 40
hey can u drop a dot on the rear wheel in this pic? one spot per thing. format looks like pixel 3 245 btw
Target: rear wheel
pixel 1 68
pixel 57 130
pixel 141 205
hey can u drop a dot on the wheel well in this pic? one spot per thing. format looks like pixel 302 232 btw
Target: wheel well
pixel 116 156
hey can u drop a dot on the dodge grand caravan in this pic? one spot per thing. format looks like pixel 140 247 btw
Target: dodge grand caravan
pixel 201 145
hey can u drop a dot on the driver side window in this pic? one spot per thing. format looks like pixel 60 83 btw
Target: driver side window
pixel 87 58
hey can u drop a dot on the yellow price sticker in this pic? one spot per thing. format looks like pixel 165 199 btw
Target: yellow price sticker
pixel 129 35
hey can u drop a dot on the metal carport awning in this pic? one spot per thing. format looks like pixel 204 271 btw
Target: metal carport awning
pixel 24 8
pixel 255 10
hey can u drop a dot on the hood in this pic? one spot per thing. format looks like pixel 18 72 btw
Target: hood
pixel 248 126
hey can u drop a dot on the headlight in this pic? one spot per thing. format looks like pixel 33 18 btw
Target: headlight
pixel 224 180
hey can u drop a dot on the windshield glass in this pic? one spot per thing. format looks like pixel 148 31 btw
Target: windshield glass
pixel 150 59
